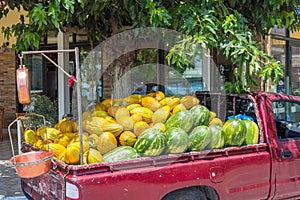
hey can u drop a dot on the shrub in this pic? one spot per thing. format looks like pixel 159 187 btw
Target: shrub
pixel 41 105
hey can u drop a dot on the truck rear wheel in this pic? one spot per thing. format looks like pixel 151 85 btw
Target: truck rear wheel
pixel 186 194
pixel 27 195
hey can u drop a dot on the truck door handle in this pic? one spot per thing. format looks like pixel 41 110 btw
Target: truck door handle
pixel 286 154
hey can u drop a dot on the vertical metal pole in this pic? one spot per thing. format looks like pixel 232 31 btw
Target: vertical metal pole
pixel 161 71
pixel 207 82
pixel 288 63
pixel 63 90
pixel 19 136
pixel 78 88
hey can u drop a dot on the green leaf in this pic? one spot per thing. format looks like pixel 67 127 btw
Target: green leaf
pixel 189 24
pixel 7 32
pixel 68 5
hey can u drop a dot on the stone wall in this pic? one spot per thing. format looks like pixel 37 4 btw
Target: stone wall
pixel 8 86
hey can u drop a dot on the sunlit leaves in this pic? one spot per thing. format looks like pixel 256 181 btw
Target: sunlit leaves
pixel 235 87
pixel 38 16
pixel 53 13
pixel 6 32
pixel 226 31
pixel 34 38
pixel 263 15
pixel 271 70
pixel 226 26
pixel 158 14
pixel 68 5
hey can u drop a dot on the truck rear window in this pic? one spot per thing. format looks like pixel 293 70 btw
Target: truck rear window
pixel 227 105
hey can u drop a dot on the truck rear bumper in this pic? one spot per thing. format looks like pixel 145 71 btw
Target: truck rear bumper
pixel 48 186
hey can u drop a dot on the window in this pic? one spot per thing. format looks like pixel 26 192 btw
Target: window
pixel 295 69
pixel 278 31
pixel 287 119
pixel 295 34
pixel 278 52
pixel 34 63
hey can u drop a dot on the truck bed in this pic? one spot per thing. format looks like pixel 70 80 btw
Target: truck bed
pixel 62 173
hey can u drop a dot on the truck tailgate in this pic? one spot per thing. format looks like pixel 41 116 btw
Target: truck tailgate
pixel 49 186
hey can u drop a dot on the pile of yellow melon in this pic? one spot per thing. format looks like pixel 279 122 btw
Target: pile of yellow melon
pixel 114 122
pixel 62 139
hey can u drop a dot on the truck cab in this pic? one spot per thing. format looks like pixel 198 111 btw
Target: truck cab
pixel 282 126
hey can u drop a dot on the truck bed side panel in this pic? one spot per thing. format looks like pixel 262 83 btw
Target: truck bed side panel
pixel 233 176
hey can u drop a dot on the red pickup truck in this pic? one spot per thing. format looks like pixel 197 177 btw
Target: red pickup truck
pixel 267 170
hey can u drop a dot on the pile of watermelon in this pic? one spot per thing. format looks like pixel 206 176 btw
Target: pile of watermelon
pixel 190 130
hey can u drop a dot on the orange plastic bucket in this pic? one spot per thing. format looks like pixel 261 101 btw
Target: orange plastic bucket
pixel 32 164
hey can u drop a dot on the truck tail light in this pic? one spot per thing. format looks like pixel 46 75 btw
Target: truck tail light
pixel 72 191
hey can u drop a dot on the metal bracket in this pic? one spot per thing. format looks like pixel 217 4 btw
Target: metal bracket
pixel 77 80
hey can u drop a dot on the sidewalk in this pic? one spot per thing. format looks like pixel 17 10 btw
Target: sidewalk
pixel 10 187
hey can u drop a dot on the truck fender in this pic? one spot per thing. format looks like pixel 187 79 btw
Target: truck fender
pixel 192 193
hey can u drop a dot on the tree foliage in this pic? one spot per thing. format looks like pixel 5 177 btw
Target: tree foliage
pixel 229 26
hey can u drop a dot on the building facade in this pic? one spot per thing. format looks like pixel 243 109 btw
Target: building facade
pixel 285 47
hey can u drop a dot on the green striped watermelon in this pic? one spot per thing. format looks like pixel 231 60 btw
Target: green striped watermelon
pixel 120 153
pixel 177 140
pixel 200 137
pixel 218 136
pixel 182 119
pixel 252 132
pixel 235 132
pixel 201 115
pixel 151 142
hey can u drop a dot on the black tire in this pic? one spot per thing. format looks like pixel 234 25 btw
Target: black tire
pixel 27 195
pixel 186 194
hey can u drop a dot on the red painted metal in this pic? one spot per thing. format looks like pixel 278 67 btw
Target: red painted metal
pixel 286 170
pixel 247 172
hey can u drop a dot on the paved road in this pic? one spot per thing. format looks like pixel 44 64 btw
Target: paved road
pixel 14 198
pixel 9 180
